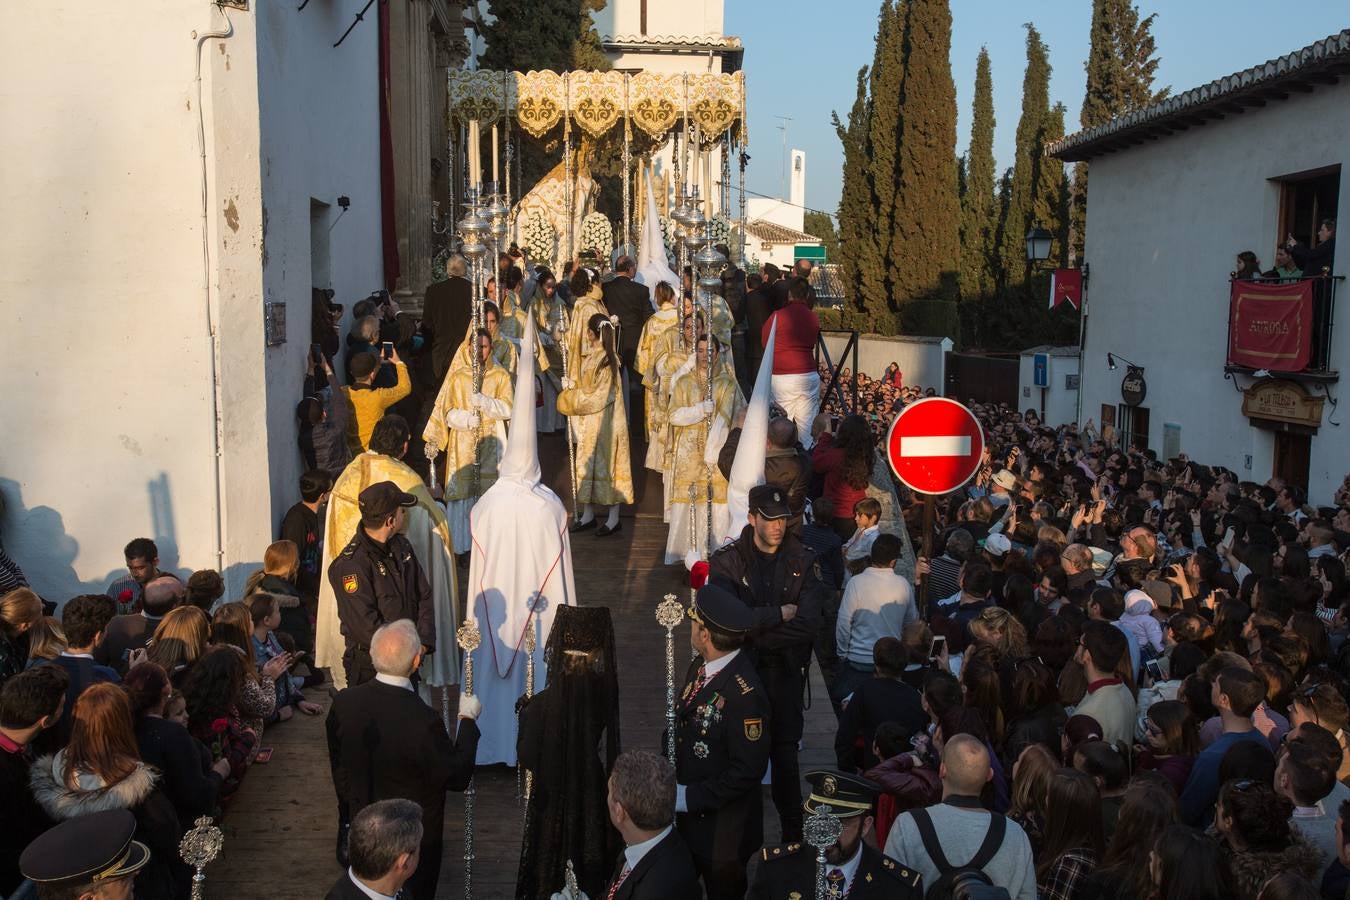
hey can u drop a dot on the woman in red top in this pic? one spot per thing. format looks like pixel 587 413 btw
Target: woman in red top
pixel 893 377
pixel 845 459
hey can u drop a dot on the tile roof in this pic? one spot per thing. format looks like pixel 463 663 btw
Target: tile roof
pixel 1322 62
pixel 674 40
pixel 773 233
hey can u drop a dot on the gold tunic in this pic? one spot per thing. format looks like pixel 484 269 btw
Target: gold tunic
pixel 512 323
pixel 548 319
pixel 464 444
pixel 691 429
pixel 578 343
pixel 652 342
pixel 604 473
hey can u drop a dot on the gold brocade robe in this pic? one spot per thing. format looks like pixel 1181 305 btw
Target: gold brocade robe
pixel 690 429
pixel 449 428
pixel 652 346
pixel 548 319
pixel 578 344
pixel 600 422
pixel 722 319
pixel 513 316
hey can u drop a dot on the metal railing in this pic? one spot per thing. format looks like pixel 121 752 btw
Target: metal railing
pixel 833 383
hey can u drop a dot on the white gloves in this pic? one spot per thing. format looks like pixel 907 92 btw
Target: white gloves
pixel 707 407
pixel 478 401
pixel 568 383
pixel 467 421
pixel 470 707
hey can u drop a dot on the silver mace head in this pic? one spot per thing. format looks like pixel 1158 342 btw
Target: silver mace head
pixel 684 214
pixel 201 844
pixel 468 637
pixel 473 225
pixel 709 260
pixel 822 828
pixel 669 612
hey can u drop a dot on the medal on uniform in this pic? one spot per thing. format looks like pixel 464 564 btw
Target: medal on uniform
pixel 700 750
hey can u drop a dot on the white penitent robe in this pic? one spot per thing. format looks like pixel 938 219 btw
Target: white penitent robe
pixel 520 555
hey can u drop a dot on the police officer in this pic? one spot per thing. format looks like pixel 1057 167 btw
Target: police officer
pixel 378 580
pixel 774 574
pixel 721 746
pixel 90 855
pixel 853 869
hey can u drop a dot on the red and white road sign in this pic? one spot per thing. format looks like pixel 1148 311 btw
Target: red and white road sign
pixel 934 446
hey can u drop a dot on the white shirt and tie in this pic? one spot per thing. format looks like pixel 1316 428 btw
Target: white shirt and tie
pixel 706 673
pixel 846 870
pixel 632 855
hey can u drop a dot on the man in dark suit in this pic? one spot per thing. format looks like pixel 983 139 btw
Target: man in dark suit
pixel 655 864
pixel 84 619
pixel 852 868
pixel 632 303
pixel 721 746
pixel 758 307
pixel 386 843
pixel 445 316
pixel 131 632
pixel 384 742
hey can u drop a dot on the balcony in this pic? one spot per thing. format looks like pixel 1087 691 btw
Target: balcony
pixel 1282 328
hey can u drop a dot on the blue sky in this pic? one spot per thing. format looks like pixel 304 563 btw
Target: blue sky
pixel 802 57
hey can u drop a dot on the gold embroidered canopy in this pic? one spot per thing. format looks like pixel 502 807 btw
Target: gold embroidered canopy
pixel 597 101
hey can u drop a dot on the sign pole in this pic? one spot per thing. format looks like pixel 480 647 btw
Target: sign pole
pixel 927 551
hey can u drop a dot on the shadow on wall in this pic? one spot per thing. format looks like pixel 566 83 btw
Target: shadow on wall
pixel 37 540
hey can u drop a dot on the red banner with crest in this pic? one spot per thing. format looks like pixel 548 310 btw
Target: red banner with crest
pixel 1270 325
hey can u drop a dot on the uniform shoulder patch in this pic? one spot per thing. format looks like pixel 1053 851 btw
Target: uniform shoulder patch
pixel 782 851
pixel 350 584
pixel 745 686
pixel 900 873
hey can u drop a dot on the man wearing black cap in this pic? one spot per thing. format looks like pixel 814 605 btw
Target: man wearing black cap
pixel 89 857
pixel 774 574
pixel 377 579
pixel 853 869
pixel 721 746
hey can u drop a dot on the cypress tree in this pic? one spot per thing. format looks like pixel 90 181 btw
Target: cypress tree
pixel 978 214
pixel 855 227
pixel 1121 65
pixel 925 250
pixel 1021 208
pixel 881 157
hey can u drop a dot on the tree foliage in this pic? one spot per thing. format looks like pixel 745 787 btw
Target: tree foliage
pixel 1121 66
pixel 979 213
pixel 899 213
pixel 822 226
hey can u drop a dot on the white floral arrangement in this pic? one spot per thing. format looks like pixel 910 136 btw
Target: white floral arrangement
pixel 597 235
pixel 668 238
pixel 721 229
pixel 539 238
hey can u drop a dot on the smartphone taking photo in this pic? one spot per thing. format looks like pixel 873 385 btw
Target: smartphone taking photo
pixel 387 349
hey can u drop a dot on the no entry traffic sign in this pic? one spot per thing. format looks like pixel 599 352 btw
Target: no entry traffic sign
pixel 934 446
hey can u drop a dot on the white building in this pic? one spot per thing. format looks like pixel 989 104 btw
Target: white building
pixel 774 226
pixel 162 238
pixel 1048 383
pixel 1175 192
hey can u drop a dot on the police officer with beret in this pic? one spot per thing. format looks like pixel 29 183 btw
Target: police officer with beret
pixel 377 579
pixel 721 746
pixel 774 574
pixel 87 855
pixel 852 868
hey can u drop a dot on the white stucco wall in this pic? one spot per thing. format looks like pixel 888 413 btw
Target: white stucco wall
pixel 1061 404
pixel 108 401
pixel 686 18
pixel 1164 222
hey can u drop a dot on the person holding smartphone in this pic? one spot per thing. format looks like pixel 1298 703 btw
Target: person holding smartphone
pixel 365 403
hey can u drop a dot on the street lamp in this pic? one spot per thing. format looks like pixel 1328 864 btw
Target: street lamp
pixel 1111 362
pixel 1038 244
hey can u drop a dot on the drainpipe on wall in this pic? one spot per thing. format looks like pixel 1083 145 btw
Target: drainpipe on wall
pixel 212 304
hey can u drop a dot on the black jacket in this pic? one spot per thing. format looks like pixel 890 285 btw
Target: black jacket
pixel 1312 261
pixel 875 701
pixel 21 819
pixel 631 302
pixel 736 567
pixel 666 872
pixel 790 871
pixel 758 308
pixel 376 585
pixel 124 634
pixel 344 889
pixel 384 742
pixel 721 754
pixel 446 314
pixel 733 291
pixel 185 765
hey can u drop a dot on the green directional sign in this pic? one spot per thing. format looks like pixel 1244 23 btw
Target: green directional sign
pixel 813 252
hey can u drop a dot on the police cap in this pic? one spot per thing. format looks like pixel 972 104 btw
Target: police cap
pixel 769 502
pixel 846 795
pixel 92 849
pixel 379 501
pixel 717 608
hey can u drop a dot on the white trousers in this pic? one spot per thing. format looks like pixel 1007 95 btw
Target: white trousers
pixel 799 395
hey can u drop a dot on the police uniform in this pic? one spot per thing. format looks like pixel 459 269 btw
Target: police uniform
pixel 88 852
pixel 782 650
pixel 721 752
pixel 789 872
pixel 376 584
